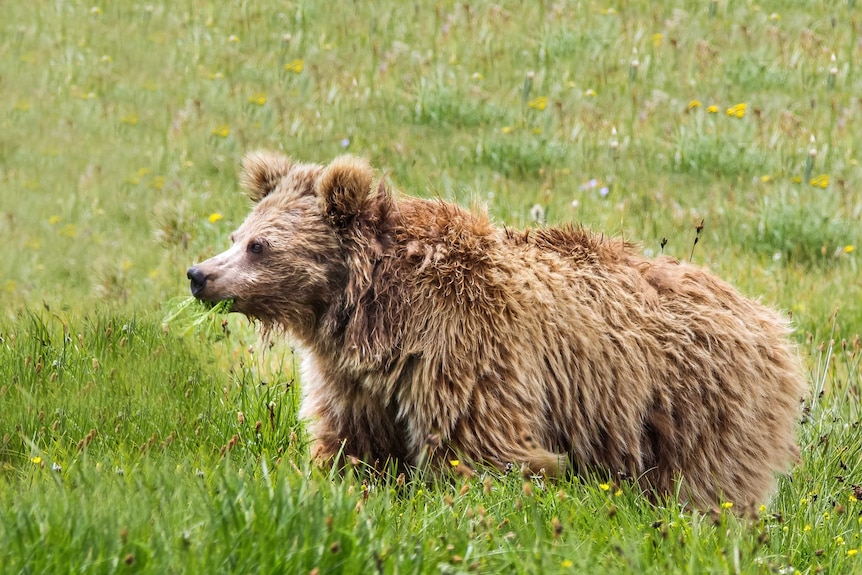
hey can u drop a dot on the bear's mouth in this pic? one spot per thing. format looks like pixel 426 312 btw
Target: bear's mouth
pixel 212 302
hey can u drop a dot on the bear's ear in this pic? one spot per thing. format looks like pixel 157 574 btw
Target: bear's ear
pixel 261 173
pixel 343 189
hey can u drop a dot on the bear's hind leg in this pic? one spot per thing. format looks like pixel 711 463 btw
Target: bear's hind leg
pixel 536 460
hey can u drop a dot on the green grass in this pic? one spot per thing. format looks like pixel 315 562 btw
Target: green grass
pixel 128 443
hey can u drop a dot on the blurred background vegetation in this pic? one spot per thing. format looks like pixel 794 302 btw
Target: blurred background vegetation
pixel 124 124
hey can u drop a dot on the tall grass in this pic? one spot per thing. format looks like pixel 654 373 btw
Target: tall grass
pixel 129 445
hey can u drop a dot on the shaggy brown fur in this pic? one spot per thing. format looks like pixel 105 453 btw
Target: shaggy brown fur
pixel 429 332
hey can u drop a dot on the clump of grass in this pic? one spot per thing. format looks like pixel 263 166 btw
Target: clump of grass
pixel 441 106
pixel 802 235
pixel 191 314
pixel 521 156
pixel 707 155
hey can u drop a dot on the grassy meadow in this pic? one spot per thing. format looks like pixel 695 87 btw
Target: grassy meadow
pixel 128 444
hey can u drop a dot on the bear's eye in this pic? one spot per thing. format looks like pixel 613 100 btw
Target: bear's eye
pixel 255 247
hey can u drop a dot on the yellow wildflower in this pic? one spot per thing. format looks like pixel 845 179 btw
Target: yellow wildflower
pixel 852 552
pixel 766 179
pixel 796 180
pixel 258 99
pixel 567 564
pixel 839 540
pixel 604 486
pixel 214 217
pixel 233 39
pixel 539 103
pixel 712 109
pixel 37 460
pixel 295 66
pixel 69 231
pixel 590 93
pixel 821 181
pixel 54 220
pixel 694 104
pixel 762 508
pixel 727 505
pixel 222 131
pixel 157 183
pixel 737 111
pixel 454 463
pixel 657 39
pixel 808 528
pixel 507 129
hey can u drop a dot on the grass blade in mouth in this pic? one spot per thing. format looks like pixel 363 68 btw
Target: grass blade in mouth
pixel 191 314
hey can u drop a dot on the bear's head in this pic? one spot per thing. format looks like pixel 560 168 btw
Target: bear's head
pixel 290 261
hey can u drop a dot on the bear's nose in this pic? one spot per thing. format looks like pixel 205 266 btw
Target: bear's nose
pixel 198 280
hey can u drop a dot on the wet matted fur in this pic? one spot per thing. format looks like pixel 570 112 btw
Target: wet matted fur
pixel 428 332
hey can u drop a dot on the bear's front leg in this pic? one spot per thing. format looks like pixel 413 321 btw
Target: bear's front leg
pixel 365 432
pixel 326 441
pixel 336 417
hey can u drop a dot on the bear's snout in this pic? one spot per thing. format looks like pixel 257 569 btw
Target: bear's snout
pixel 197 279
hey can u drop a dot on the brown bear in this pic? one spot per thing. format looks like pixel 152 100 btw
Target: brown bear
pixel 430 335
